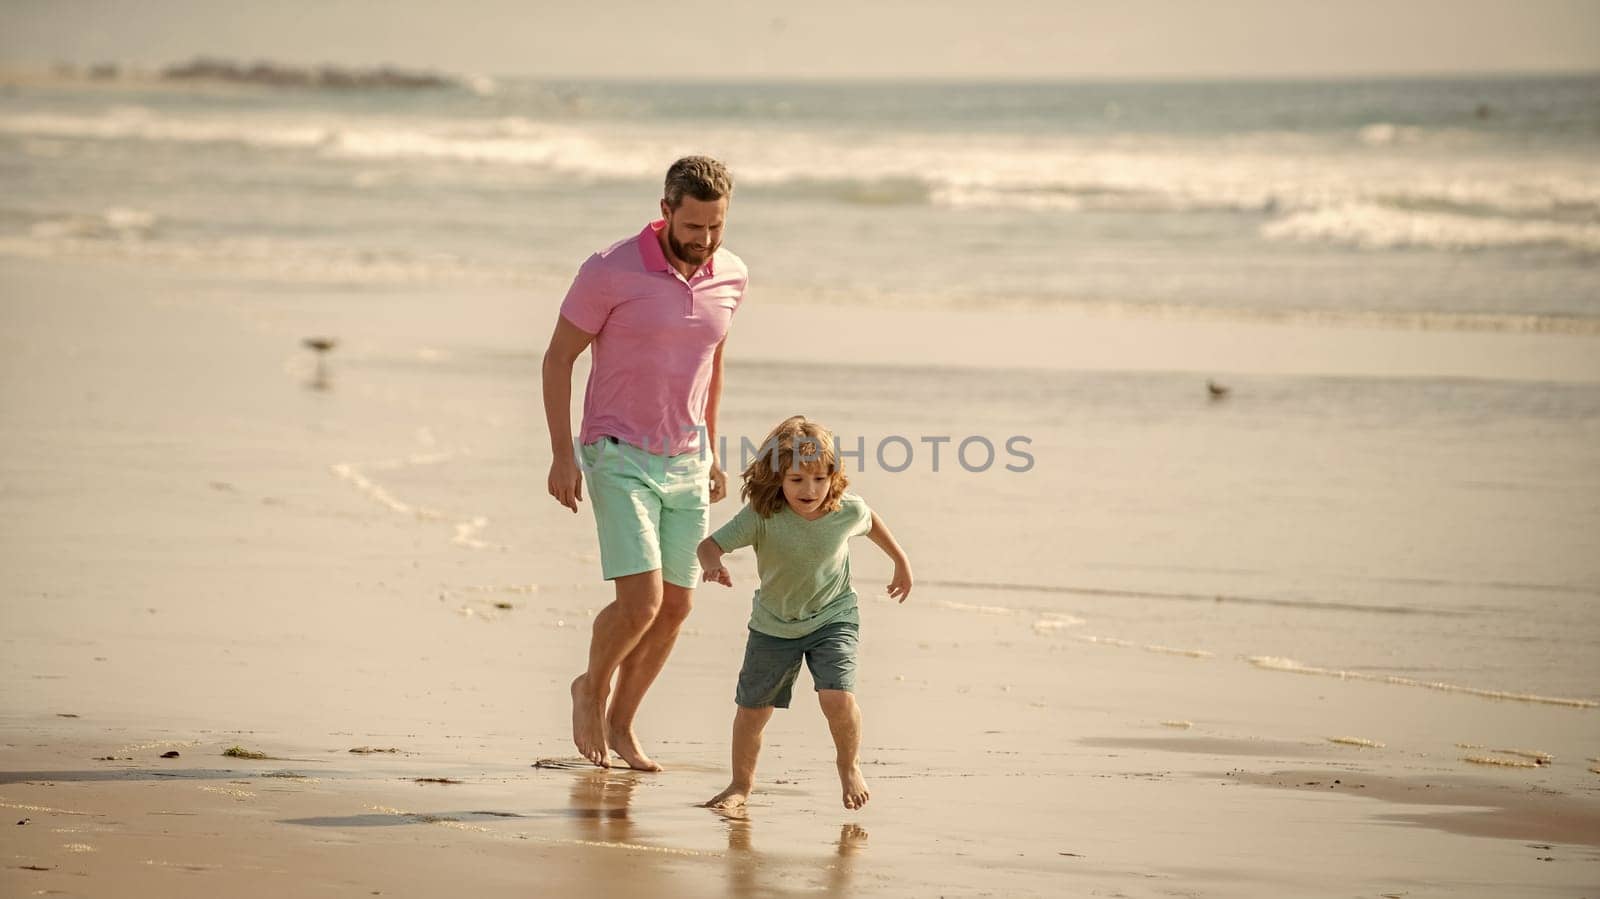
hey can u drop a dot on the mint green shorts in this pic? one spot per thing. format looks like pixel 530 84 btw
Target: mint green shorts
pixel 650 510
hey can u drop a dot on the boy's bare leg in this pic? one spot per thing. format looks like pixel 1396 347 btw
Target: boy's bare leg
pixel 639 670
pixel 844 719
pixel 617 631
pixel 747 727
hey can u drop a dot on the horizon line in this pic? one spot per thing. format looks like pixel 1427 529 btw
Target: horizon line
pixel 34 67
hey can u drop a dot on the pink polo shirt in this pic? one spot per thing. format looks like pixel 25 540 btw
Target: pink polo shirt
pixel 655 334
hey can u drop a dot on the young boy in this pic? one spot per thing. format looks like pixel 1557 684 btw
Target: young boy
pixel 799 519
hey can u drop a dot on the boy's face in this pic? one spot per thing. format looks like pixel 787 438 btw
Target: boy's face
pixel 805 488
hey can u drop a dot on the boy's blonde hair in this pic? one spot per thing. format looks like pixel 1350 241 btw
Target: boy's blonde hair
pixel 796 443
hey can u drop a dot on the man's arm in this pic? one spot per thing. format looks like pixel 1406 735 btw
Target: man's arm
pixel 719 480
pixel 567 343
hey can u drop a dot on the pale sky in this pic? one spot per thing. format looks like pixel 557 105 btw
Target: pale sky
pixel 757 39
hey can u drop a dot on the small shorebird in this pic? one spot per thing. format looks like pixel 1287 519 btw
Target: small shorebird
pixel 321 346
pixel 1216 390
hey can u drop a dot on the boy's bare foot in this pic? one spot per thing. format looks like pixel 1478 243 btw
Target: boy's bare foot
pixel 855 786
pixel 733 797
pixel 588 728
pixel 623 743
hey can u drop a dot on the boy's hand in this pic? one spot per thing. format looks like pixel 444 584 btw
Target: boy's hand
pixel 718 574
pixel 900 587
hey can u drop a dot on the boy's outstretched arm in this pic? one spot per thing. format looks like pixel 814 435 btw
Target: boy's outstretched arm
pixel 900 585
pixel 710 554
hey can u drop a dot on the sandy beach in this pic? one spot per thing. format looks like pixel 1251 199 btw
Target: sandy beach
pixel 1332 636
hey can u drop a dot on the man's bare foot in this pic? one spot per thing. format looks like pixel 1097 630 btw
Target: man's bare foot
pixel 731 798
pixel 588 727
pixel 855 786
pixel 623 743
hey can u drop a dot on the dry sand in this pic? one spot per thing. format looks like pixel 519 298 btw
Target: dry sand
pixel 199 553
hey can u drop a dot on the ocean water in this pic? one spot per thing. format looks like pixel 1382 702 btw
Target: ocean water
pixel 1436 203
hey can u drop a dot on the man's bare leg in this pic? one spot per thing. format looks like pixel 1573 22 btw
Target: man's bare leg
pixel 617 630
pixel 747 727
pixel 639 670
pixel 844 719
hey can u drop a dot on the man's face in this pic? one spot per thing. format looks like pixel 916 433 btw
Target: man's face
pixel 694 229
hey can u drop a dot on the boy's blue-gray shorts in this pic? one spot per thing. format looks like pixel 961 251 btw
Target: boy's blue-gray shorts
pixel 772 663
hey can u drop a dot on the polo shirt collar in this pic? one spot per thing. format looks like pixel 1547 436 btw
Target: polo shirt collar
pixel 655 258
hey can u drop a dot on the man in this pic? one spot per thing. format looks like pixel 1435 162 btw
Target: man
pixel 656 309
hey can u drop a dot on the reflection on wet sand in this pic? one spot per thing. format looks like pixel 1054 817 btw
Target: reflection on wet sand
pixel 744 863
pixel 852 839
pixel 752 874
pixel 796 856
pixel 599 805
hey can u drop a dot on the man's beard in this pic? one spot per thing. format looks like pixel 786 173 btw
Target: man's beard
pixel 683 252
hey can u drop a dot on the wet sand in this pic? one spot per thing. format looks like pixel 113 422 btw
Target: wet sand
pixel 201 552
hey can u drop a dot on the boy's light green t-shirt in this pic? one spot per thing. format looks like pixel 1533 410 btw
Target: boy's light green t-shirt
pixel 804 565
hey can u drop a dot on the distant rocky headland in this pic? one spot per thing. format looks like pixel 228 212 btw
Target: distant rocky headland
pixel 275 75
pixel 206 71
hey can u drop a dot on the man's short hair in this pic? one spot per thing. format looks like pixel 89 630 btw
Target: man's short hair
pixel 701 177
